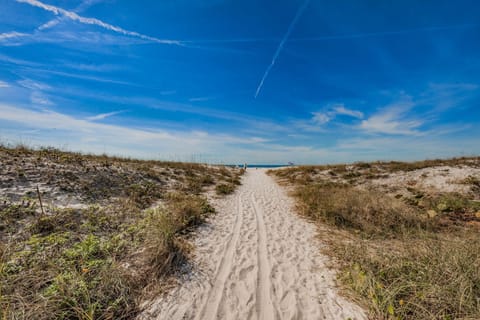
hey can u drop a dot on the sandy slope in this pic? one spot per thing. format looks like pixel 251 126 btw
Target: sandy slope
pixel 256 260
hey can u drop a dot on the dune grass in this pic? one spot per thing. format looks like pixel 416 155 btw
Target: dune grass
pixel 73 265
pixel 401 262
pixel 359 210
pixel 100 261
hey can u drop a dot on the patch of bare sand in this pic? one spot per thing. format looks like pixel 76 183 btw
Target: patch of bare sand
pixel 439 179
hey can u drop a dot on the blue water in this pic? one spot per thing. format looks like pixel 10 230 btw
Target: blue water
pixel 260 165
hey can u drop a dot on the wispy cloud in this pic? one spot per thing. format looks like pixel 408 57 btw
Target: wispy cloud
pixel 415 115
pixel 33 85
pixel 94 67
pixel 38 99
pixel 18 62
pixel 37 96
pixel 394 119
pixel 4 84
pixel 102 116
pixel 78 76
pixel 340 109
pixel 321 117
pixel 333 111
pixel 52 23
pixel 280 46
pixel 197 99
pixel 92 136
pixel 10 35
pixel 93 21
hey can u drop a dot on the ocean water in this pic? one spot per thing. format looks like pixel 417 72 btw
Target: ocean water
pixel 260 165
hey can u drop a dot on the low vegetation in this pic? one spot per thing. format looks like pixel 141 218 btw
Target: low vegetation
pixel 406 251
pixel 359 210
pixel 225 188
pixel 126 240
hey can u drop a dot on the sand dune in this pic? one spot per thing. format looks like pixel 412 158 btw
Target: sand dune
pixel 256 259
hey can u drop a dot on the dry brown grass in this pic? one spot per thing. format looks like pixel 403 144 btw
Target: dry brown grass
pixel 99 262
pixel 401 262
pixel 346 207
pixel 427 277
pixel 72 265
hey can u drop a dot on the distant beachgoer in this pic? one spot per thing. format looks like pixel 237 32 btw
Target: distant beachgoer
pixel 245 167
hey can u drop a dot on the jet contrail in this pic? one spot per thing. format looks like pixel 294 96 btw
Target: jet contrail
pixel 383 33
pixel 92 21
pixel 52 23
pixel 280 46
pixel 332 37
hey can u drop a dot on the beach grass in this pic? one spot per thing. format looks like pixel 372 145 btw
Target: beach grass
pixel 402 257
pixel 125 243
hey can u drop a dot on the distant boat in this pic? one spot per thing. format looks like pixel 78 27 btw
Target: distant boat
pixel 291 164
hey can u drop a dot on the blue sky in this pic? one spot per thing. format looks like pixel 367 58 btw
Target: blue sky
pixel 243 81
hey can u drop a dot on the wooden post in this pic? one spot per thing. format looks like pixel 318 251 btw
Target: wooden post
pixel 40 199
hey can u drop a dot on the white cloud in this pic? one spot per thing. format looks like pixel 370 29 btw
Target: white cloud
pixel 52 23
pixel 4 85
pixel 53 129
pixel 33 85
pixel 92 21
pixel 11 60
pixel 408 148
pixel 37 98
pixel 10 35
pixel 340 109
pixel 393 119
pixel 93 67
pixel 102 116
pixel 321 118
pixel 197 99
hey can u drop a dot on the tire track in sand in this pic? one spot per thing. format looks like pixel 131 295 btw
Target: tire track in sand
pixel 215 296
pixel 264 306
pixel 256 260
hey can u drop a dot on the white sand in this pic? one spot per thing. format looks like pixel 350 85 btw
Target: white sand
pixel 256 259
pixel 431 180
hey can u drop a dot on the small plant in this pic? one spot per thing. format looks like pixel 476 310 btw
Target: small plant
pixel 224 188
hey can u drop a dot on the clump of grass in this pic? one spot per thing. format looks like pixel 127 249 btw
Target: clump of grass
pixel 347 207
pixel 472 180
pixel 429 278
pixel 62 277
pixel 166 249
pixel 225 188
pixel 12 214
pixel 144 194
pixel 188 210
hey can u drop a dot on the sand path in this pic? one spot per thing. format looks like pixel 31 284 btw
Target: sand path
pixel 256 259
